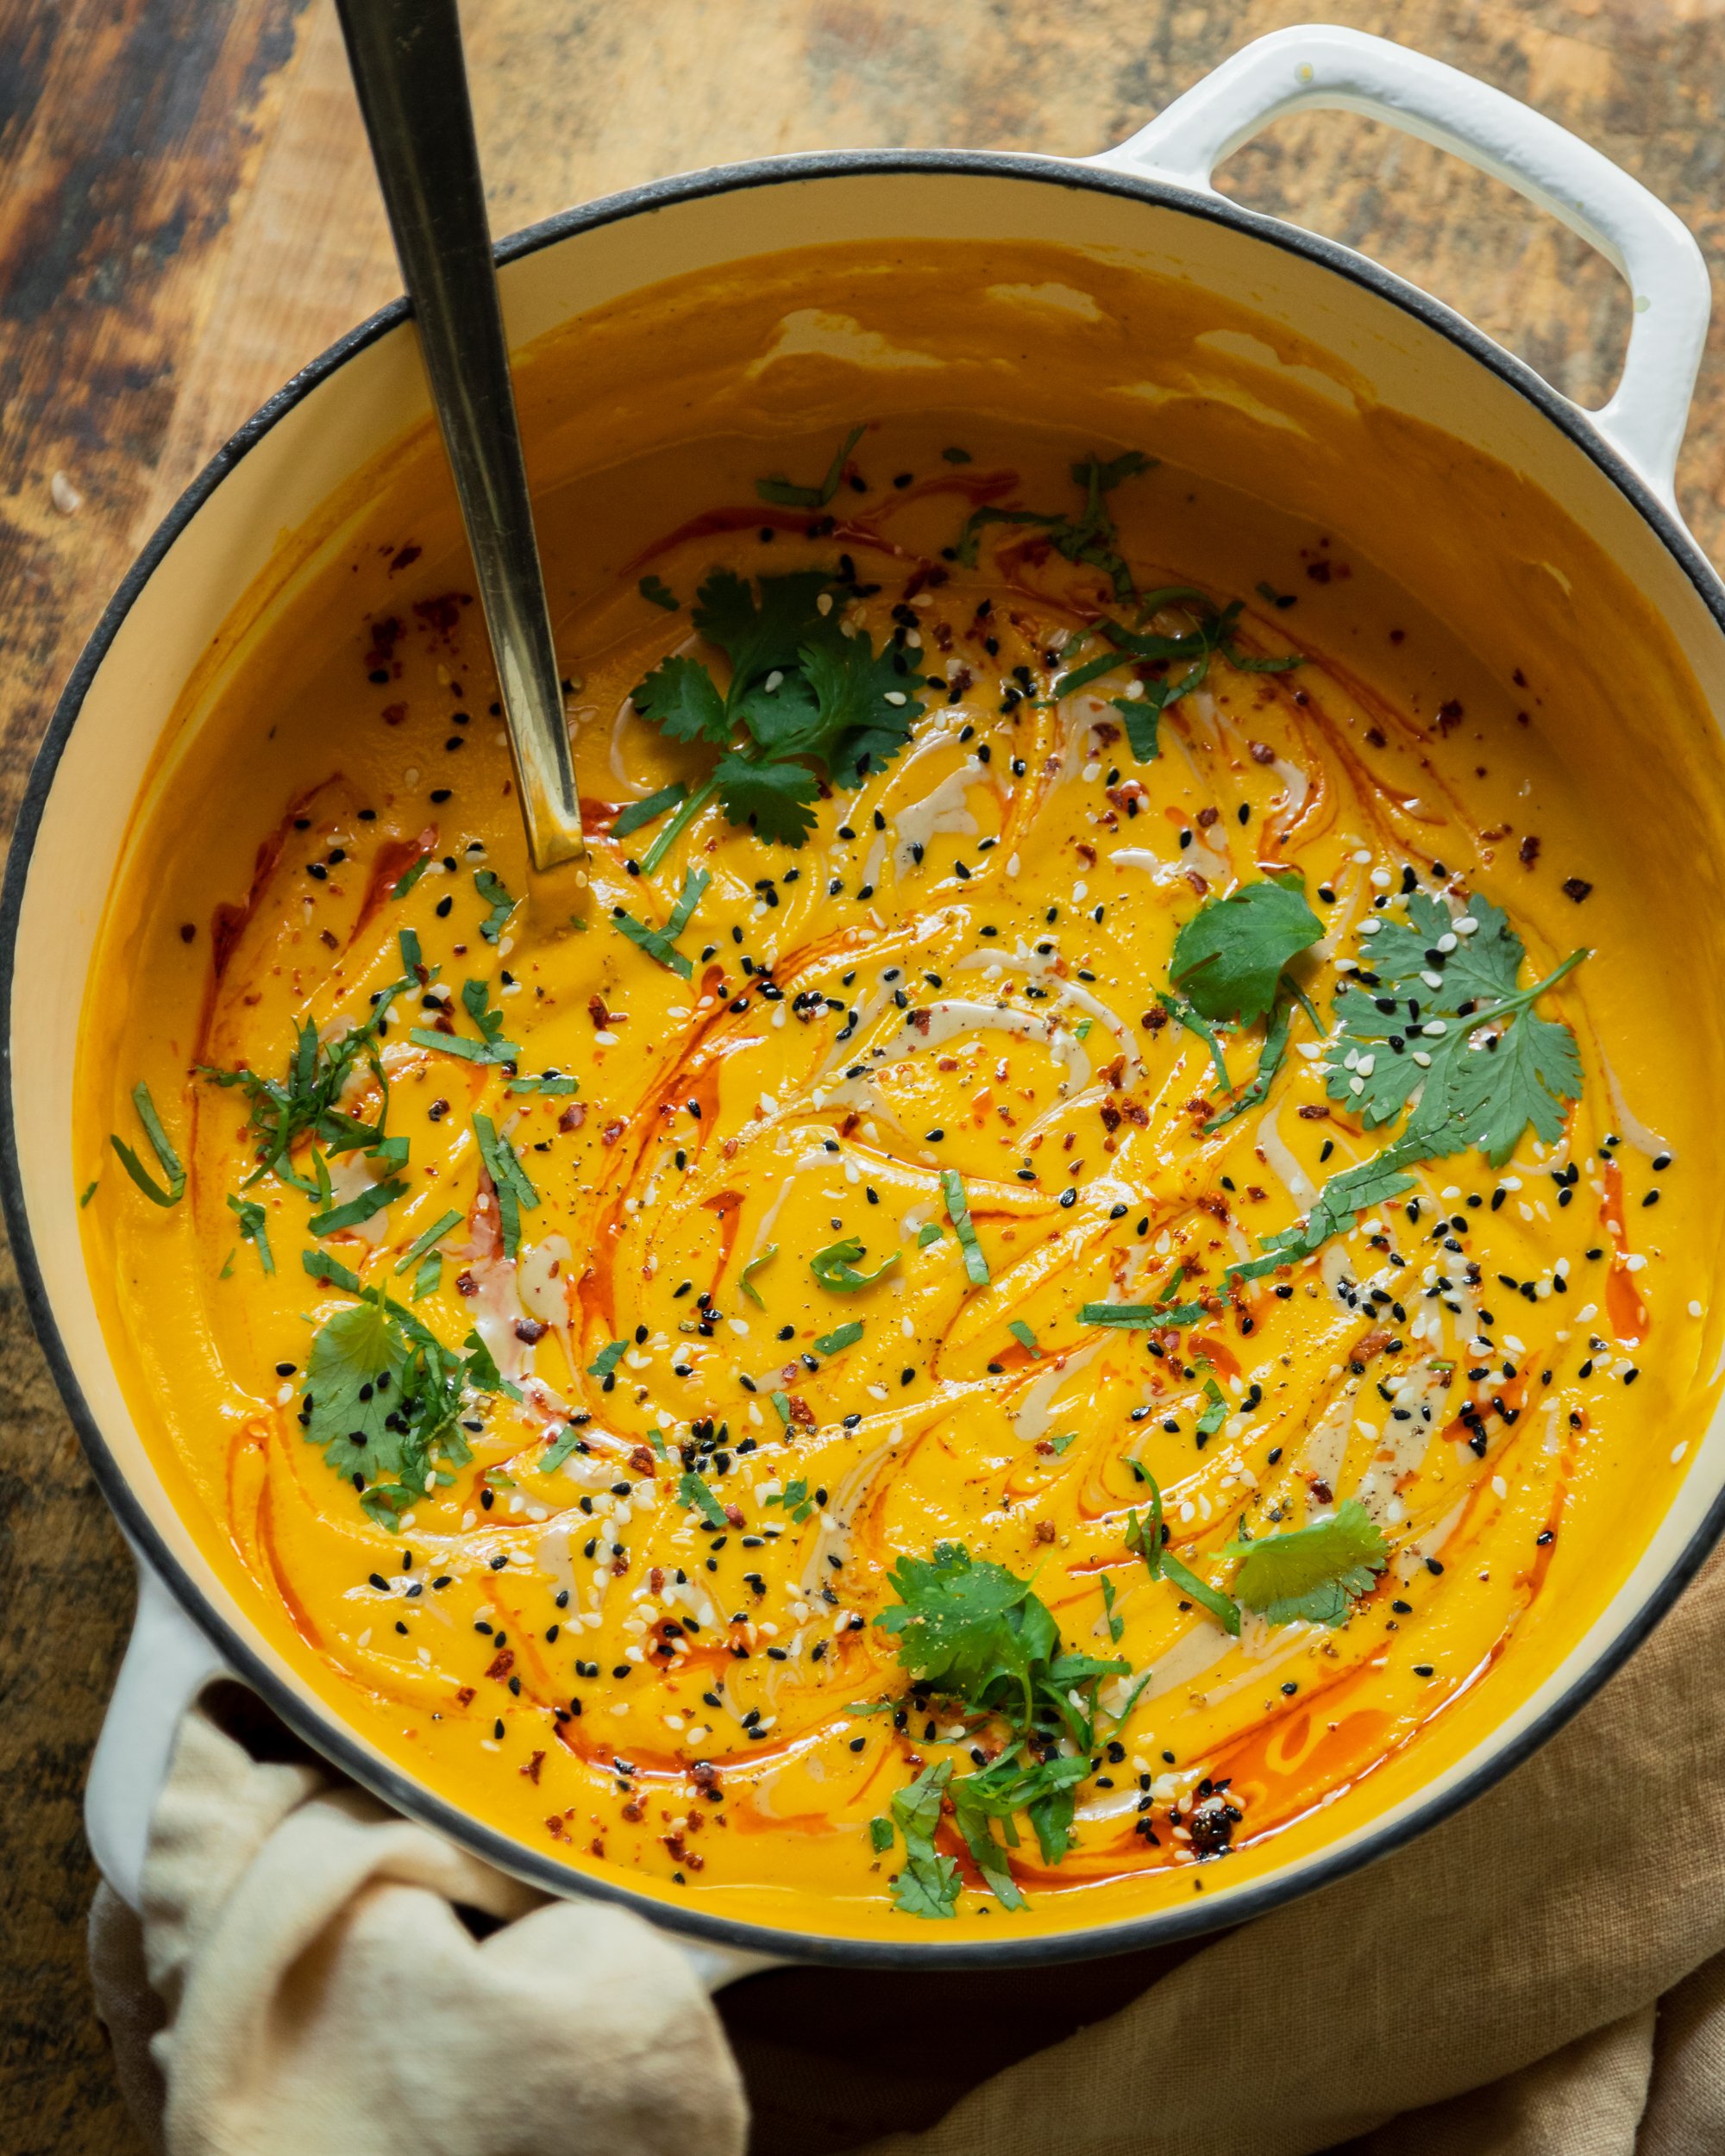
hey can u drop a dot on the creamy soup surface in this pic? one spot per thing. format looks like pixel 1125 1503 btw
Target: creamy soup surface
pixel 1086 1243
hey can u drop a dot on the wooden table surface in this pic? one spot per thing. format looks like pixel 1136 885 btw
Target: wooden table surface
pixel 186 216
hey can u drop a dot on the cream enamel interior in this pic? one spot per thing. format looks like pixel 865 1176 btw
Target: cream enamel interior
pixel 1352 345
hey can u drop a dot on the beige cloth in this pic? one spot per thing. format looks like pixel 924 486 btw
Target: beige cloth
pixel 1542 1975
pixel 302 1984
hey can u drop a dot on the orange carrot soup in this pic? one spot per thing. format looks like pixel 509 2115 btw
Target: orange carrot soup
pixel 1081 1258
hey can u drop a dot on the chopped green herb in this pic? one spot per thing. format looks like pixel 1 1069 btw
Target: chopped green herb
pixel 383 1399
pixel 1089 537
pixel 783 494
pixel 1216 1413
pixel 427 1279
pixel 253 1228
pixel 489 886
pixel 421 1243
pixel 930 1232
pixel 657 592
pixel 559 1449
pixel 1022 1333
pixel 372 1200
pixel 1144 1316
pixel 605 1361
pixel 545 1082
pixel 1063 1443
pixel 509 1180
pixel 657 943
pixel 958 456
pixel 801 694
pixel 1116 1625
pixel 959 1211
pixel 639 814
pixel 881 1835
pixel 745 1279
pixel 928 1886
pixel 781 1402
pixel 491 1048
pixel 172 1167
pixel 693 1490
pixel 90 1191
pixel 1145 1536
pixel 405 882
pixel 834 1267
pixel 845 1336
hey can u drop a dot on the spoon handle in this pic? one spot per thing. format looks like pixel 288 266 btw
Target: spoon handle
pixel 408 69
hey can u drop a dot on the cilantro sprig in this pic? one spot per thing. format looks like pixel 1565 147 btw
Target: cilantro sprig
pixel 973 1632
pixel 1448 1034
pixel 785 493
pixel 804 703
pixel 383 1399
pixel 304 1102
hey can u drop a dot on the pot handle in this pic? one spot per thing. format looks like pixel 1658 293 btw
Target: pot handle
pixel 168 1662
pixel 1322 66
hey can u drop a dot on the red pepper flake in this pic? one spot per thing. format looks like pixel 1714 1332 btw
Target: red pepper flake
pixel 465 1284
pixel 466 1696
pixel 1043 1531
pixel 801 1413
pixel 404 558
pixel 1528 851
pixel 573 1116
pixel 531 1769
pixel 529 1330
pixel 1262 752
pixel 443 614
pixel 1574 888
pixel 1313 1112
pixel 1450 714
pixel 393 714
pixel 642 1461
pixel 611 1133
pixel 502 1663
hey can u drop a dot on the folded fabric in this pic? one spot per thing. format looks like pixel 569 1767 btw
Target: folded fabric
pixel 1544 1975
pixel 306 1980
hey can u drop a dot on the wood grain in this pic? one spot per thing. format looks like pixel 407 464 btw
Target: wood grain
pixel 186 216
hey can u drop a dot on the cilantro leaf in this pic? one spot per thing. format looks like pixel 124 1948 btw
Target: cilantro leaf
pixel 759 637
pixel 1313 1572
pixel 1184 1014
pixel 967 1627
pixel 654 588
pixel 1449 1036
pixel 514 1192
pixel 835 1268
pixel 773 799
pixel 679 699
pixel 1228 957
pixel 383 1398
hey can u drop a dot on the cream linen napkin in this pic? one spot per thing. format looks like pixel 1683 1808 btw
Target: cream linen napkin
pixel 1542 1975
pixel 302 1984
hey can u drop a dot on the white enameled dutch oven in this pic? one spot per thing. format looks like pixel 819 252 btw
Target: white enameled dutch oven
pixel 1606 475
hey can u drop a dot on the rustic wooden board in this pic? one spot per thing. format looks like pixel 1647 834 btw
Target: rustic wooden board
pixel 186 216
